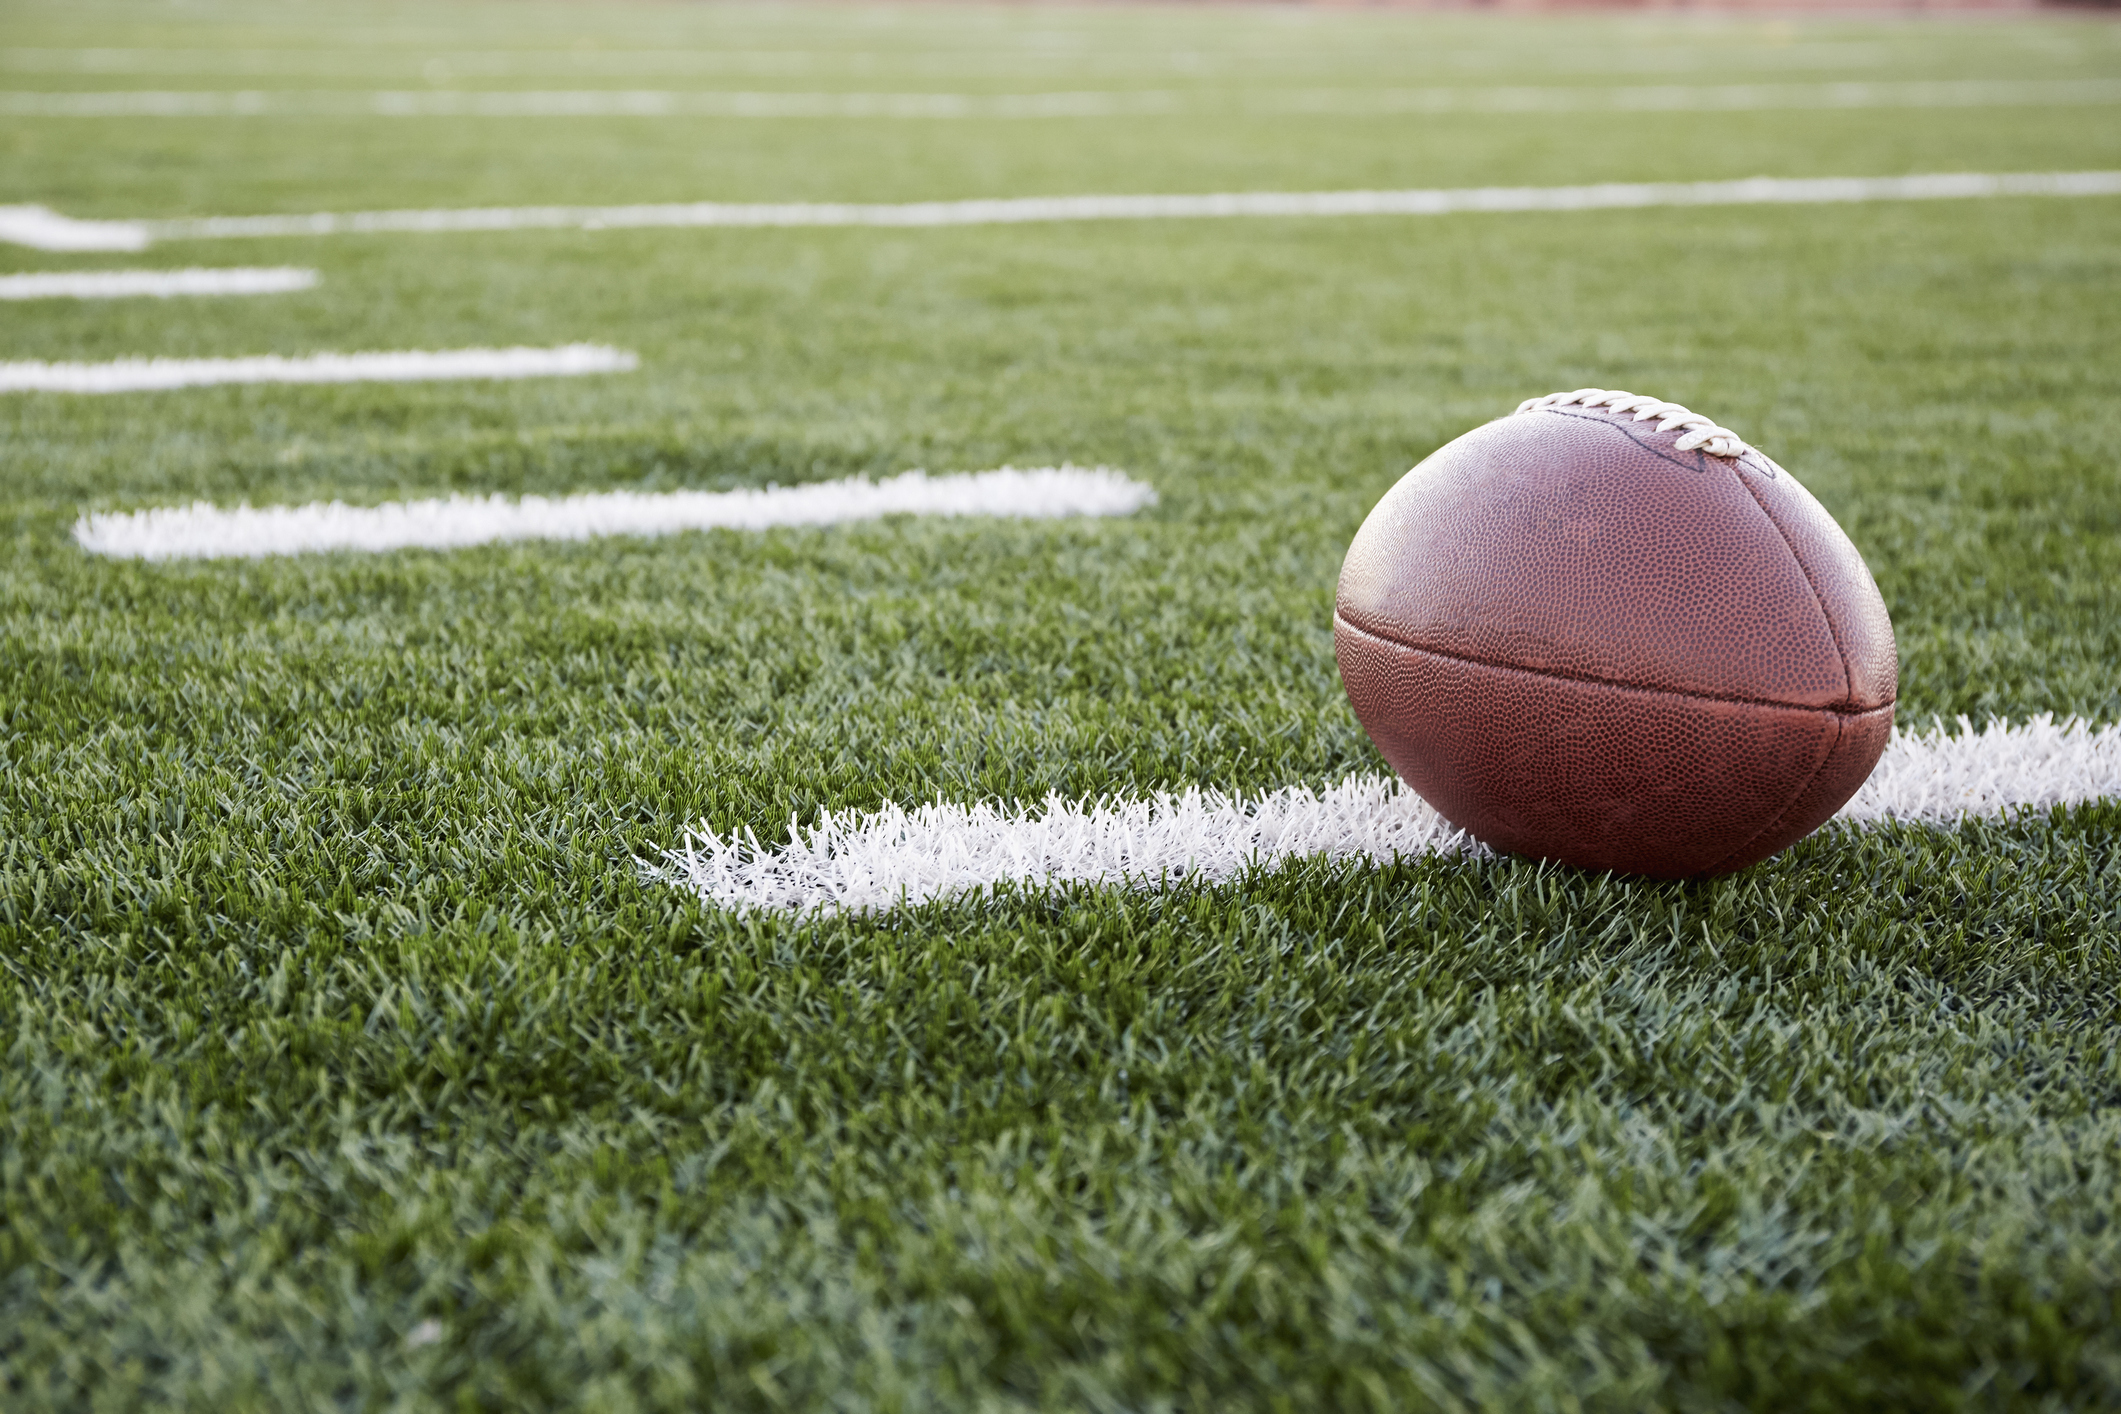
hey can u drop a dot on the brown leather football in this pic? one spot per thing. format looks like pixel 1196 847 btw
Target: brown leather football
pixel 1605 631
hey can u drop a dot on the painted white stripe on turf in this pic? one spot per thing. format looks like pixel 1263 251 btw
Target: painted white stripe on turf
pixel 589 103
pixel 1706 98
pixel 204 531
pixel 361 54
pixel 1939 776
pixel 130 375
pixel 849 860
pixel 1109 103
pixel 1752 191
pixel 893 855
pixel 158 284
pixel 42 228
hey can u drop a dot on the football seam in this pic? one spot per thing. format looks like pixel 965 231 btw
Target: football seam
pixel 1841 711
pixel 1848 669
pixel 1697 466
pixel 1796 796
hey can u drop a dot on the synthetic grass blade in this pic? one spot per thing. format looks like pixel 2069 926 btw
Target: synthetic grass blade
pixel 895 855
pixel 204 531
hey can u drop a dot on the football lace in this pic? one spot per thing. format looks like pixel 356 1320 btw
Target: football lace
pixel 1700 431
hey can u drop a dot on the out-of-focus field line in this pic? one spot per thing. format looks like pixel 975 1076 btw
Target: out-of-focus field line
pixel 154 284
pixel 666 103
pixel 132 375
pixel 49 230
pixel 203 531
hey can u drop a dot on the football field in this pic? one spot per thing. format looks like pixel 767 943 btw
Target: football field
pixel 599 891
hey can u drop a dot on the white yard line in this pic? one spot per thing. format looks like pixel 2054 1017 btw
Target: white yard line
pixel 360 57
pixel 204 531
pixel 157 284
pixel 1096 103
pixel 884 857
pixel 37 226
pixel 1703 98
pixel 129 375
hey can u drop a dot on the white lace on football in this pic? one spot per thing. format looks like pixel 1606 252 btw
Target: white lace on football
pixel 1700 431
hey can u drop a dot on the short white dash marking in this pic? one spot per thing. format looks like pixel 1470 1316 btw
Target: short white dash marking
pixel 875 860
pixel 127 375
pixel 157 284
pixel 41 228
pixel 204 531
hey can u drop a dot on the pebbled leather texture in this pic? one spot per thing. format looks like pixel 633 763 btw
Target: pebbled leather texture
pixel 1582 645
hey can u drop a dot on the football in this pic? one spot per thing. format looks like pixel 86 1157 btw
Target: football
pixel 1605 631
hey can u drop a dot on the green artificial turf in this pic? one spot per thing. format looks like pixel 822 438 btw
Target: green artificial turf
pixel 350 1064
